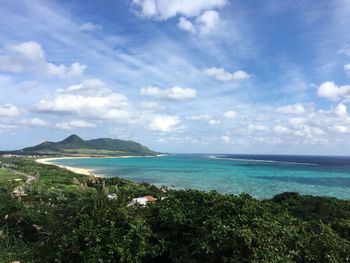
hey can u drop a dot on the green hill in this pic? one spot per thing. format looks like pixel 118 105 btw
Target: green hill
pixel 74 145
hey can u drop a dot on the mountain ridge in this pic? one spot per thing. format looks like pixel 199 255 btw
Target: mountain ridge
pixel 74 145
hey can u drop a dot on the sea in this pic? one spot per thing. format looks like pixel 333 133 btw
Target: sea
pixel 261 176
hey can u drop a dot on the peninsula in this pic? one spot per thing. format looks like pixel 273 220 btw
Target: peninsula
pixel 75 146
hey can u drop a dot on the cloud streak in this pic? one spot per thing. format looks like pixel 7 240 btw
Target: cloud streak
pixel 174 93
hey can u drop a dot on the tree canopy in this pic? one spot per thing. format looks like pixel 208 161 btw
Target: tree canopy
pixel 69 218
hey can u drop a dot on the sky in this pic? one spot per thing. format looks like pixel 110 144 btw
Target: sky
pixel 209 76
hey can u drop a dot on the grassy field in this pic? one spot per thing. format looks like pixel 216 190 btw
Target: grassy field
pixel 8 179
pixel 95 152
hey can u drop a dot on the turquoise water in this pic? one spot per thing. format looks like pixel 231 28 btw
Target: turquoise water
pixel 260 176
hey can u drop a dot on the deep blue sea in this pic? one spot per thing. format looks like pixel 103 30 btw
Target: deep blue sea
pixel 262 176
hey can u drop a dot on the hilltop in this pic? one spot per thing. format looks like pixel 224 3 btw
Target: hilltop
pixel 74 145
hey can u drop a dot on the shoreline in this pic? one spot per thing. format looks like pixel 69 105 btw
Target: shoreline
pixel 79 170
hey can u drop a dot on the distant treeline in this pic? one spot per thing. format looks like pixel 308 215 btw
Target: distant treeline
pixel 69 218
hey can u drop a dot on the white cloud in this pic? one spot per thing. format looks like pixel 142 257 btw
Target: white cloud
pixel 341 111
pixel 314 126
pixel 186 25
pixel 223 75
pixel 240 74
pixel 204 117
pixel 69 125
pixel 76 69
pixel 174 93
pixel 30 50
pixel 226 139
pixel 148 7
pixel 9 118
pixel 317 131
pixel 89 26
pixel 341 129
pixel 230 114
pixel 88 99
pixel 204 18
pixel 347 68
pixel 208 21
pixel 345 50
pixel 214 122
pixel 69 103
pixel 257 127
pixel 291 109
pixel 331 91
pixel 164 123
pixel 150 105
pixel 92 99
pixel 34 122
pixel 90 87
pixel 165 9
pixel 13 124
pixel 9 111
pixel 30 57
pixel 199 117
pixel 308 132
pixel 296 121
pixel 280 129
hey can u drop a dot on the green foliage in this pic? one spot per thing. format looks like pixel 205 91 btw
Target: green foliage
pixel 9 180
pixel 210 227
pixel 69 218
pixel 104 231
pixel 314 207
pixel 103 146
pixel 48 175
pixel 331 211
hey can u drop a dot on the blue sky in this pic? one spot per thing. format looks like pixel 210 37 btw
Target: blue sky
pixel 178 76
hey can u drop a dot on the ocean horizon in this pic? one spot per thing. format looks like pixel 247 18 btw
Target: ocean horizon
pixel 259 175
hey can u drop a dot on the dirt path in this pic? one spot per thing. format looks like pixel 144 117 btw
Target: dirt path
pixel 21 189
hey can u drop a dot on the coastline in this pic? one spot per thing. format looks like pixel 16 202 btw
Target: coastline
pixel 76 170
pixel 79 170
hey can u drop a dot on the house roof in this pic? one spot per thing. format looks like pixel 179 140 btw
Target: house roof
pixel 150 198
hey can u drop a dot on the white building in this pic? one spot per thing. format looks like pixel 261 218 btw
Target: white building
pixel 143 200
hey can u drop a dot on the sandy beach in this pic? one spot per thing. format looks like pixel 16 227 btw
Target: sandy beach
pixel 70 168
pixel 83 170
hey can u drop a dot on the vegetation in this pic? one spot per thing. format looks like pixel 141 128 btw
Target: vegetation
pixel 99 147
pixel 9 180
pixel 69 218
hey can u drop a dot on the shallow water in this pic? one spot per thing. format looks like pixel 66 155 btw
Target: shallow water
pixel 262 176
